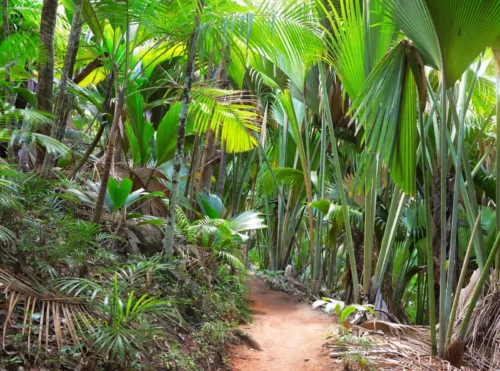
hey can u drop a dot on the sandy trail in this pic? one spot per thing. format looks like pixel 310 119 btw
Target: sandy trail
pixel 290 333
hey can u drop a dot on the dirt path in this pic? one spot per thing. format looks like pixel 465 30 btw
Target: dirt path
pixel 290 333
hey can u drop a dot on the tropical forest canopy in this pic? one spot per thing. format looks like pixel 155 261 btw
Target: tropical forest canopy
pixel 353 141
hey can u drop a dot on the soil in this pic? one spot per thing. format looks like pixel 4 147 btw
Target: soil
pixel 290 333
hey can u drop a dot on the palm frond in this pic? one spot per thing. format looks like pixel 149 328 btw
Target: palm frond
pixel 386 108
pixel 448 34
pixel 292 178
pixel 54 313
pixel 229 113
pixel 232 260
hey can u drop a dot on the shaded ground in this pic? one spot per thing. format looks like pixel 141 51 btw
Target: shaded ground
pixel 290 333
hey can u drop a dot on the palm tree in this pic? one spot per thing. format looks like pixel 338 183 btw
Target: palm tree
pixel 179 149
pixel 449 39
pixel 44 91
pixel 64 101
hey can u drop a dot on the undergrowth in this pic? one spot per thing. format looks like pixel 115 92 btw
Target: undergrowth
pixel 116 311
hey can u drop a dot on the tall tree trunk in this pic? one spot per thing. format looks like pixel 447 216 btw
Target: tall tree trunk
pixel 6 35
pixel 207 162
pixel 114 131
pixel 274 246
pixel 192 167
pixel 110 150
pixel 9 98
pixel 65 101
pixel 210 140
pixel 496 54
pixel 44 91
pixel 332 239
pixel 97 138
pixel 338 174
pixel 168 241
pixel 222 170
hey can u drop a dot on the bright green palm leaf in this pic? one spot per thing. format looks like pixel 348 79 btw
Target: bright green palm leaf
pixel 227 113
pixel 345 42
pixel 381 33
pixel 414 19
pixel 403 164
pixel 449 34
pixel 386 108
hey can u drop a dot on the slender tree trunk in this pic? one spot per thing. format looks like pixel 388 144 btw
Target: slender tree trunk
pixel 207 164
pixel 6 35
pixel 65 101
pixel 89 151
pixel 100 132
pixel 192 167
pixel 9 98
pixel 370 201
pixel 110 150
pixel 168 242
pixel 113 133
pixel 443 218
pixel 332 237
pixel 222 170
pixel 210 141
pixel 274 246
pixel 496 54
pixel 338 174
pixel 429 235
pixel 44 91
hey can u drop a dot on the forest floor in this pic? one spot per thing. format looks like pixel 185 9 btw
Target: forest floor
pixel 289 332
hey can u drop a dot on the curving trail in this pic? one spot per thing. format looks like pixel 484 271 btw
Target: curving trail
pixel 290 333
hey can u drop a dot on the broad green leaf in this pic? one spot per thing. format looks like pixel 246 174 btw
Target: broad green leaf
pixel 119 194
pixel 322 205
pixel 166 135
pixel 346 313
pixel 404 157
pixel 449 34
pixel 386 108
pixel 142 130
pixel 211 205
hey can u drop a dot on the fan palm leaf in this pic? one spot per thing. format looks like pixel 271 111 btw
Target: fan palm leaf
pixel 448 34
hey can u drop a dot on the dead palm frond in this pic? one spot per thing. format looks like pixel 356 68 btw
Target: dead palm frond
pixel 482 339
pixel 401 347
pixel 59 316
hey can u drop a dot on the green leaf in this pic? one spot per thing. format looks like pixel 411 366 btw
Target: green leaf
pixel 322 205
pixel 347 312
pixel 166 135
pixel 137 127
pixel 387 109
pixel 211 205
pixel 27 95
pixel 119 194
pixel 158 222
pixel 284 176
pixel 449 34
pixel 404 156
